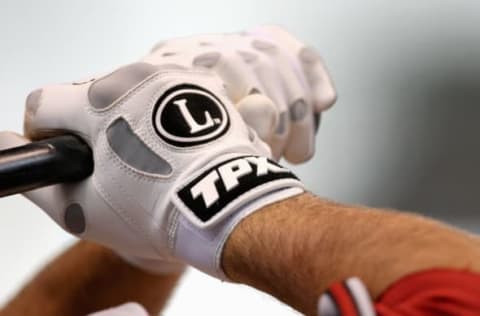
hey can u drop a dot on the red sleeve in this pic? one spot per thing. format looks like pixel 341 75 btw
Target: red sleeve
pixel 439 292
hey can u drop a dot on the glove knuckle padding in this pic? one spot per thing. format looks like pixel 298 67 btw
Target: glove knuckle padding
pixel 239 79
pixel 268 75
pixel 299 145
pixel 266 60
pixel 323 91
pixel 317 76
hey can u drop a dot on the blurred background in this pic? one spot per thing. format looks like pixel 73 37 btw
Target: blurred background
pixel 404 133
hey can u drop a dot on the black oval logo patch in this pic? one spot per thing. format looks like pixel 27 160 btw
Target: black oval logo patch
pixel 188 115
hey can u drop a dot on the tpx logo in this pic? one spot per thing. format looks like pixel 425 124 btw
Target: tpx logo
pixel 209 193
pixel 188 115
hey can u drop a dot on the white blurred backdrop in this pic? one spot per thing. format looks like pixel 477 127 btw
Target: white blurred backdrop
pixel 403 134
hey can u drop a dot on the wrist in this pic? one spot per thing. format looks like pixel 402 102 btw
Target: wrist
pixel 204 249
pixel 263 252
pixel 208 211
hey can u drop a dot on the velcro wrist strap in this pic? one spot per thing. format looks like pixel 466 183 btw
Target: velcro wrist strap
pixel 213 193
pixel 211 202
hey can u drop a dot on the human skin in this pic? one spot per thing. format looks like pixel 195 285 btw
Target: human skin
pixel 296 248
pixel 293 250
pixel 87 278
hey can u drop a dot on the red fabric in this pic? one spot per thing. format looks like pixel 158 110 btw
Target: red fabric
pixel 432 293
pixel 343 299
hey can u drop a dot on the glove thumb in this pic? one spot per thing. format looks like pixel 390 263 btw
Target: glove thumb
pixel 259 112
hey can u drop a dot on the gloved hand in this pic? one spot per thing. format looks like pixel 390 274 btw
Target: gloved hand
pixel 176 167
pixel 279 85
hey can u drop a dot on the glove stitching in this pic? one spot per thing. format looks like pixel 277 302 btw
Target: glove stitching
pixel 173 228
pixel 122 214
pixel 136 174
pixel 141 175
pixel 125 192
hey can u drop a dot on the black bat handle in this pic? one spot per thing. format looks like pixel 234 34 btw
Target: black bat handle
pixel 56 160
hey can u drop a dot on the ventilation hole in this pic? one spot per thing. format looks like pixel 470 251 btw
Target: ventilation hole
pixel 105 91
pixel 263 45
pixel 282 124
pixel 317 117
pixel 207 60
pixel 133 151
pixel 248 57
pixel 254 91
pixel 75 219
pixel 309 55
pixel 298 110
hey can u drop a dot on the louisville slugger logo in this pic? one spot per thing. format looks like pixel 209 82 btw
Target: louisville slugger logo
pixel 188 115
pixel 210 192
pixel 195 127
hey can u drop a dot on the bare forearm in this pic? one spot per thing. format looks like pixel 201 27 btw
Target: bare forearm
pixel 88 278
pixel 296 248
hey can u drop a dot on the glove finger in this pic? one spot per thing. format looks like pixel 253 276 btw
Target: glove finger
pixel 301 143
pixel 267 73
pixel 59 108
pixel 323 90
pixel 239 80
pixel 279 35
pixel 55 109
pixel 322 87
pixel 259 112
pixel 181 51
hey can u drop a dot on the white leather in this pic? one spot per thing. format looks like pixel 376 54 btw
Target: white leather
pixel 197 246
pixel 135 212
pixel 364 306
pixel 270 61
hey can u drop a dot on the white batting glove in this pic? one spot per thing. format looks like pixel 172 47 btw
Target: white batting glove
pixel 279 85
pixel 176 168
